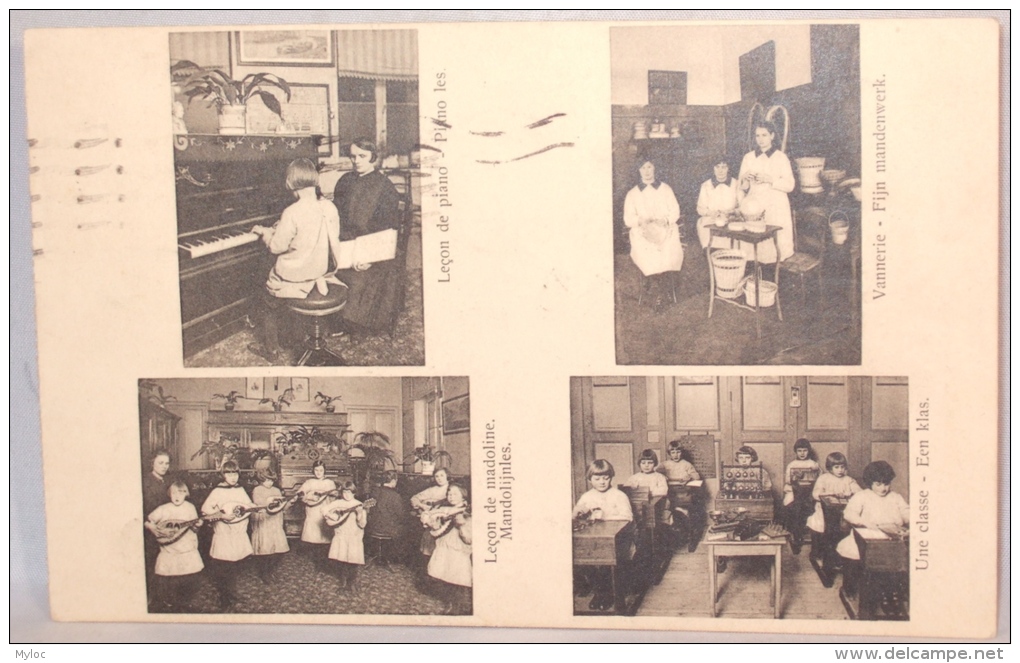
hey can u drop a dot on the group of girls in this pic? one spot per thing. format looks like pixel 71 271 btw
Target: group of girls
pixel 876 506
pixel 335 523
pixel 651 211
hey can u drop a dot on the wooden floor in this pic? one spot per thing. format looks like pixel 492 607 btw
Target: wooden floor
pixel 743 589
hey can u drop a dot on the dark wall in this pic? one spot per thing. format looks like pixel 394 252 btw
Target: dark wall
pixel 825 115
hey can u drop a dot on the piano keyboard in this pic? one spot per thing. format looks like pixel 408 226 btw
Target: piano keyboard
pixel 208 244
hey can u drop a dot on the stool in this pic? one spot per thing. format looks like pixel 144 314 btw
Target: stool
pixel 382 550
pixel 317 306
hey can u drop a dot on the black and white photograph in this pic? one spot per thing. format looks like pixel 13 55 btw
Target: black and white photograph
pixel 355 500
pixel 736 194
pixel 742 497
pixel 297 167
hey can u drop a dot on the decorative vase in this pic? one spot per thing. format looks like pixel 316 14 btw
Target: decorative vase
pixel 331 408
pixel 428 468
pixel 232 120
pixel 228 406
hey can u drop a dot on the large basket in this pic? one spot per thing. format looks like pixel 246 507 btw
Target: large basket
pixel 728 266
pixel 768 293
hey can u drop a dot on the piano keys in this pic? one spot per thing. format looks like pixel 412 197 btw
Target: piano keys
pixel 203 244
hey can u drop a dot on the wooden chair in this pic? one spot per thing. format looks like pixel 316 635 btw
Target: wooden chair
pixel 809 245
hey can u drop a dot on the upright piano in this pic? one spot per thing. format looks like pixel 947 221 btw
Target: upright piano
pixel 226 185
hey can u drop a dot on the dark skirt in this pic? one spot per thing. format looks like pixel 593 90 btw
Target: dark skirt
pixel 375 297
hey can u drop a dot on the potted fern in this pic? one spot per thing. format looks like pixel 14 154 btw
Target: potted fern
pixel 217 88
pixel 329 402
pixel 230 399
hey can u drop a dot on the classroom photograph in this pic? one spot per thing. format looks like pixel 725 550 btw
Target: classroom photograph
pixel 306 495
pixel 736 157
pixel 741 497
pixel 298 186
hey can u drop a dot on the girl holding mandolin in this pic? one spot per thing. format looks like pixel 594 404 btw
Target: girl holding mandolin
pixel 174 524
pixel 348 517
pixel 316 494
pixel 268 540
pixel 450 526
pixel 229 506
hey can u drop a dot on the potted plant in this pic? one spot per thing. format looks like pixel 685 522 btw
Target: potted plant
pixel 430 459
pixel 219 451
pixel 370 457
pixel 306 439
pixel 155 393
pixel 230 399
pixel 286 398
pixel 328 402
pixel 230 96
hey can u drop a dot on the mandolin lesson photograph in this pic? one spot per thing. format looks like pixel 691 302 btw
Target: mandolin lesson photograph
pixel 258 497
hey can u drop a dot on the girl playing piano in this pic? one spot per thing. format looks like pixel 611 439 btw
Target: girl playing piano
pixel 305 238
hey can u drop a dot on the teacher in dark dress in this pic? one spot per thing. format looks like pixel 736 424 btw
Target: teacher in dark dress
pixel 368 203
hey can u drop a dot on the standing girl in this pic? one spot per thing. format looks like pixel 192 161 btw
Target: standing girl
pixel 178 561
pixel 268 540
pixel 348 517
pixel 316 494
pixel 226 505
pixel 451 562
pixel 765 180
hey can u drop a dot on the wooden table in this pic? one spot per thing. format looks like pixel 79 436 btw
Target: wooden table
pixel 606 543
pixel 771 548
pixel 753 238
pixel 885 564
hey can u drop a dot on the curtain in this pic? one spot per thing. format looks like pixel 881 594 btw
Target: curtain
pixel 378 54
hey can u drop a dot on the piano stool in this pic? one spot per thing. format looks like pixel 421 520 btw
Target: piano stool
pixel 317 306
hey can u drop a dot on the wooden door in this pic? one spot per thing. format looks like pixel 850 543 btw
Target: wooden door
pixel 610 415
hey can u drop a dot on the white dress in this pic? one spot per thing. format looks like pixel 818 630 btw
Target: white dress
pixel 653 481
pixel 230 540
pixel 614 504
pixel 713 199
pixel 181 557
pixel 451 562
pixel 774 198
pixel 349 537
pixel 867 509
pixel 829 484
pixel 315 529
pixel 651 213
pixel 267 535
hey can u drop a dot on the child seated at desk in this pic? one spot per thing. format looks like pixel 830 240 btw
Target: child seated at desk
pixel 677 468
pixel 875 507
pixel 602 502
pixel 647 477
pixel 747 457
pixel 834 483
pixel 798 505
pixel 686 504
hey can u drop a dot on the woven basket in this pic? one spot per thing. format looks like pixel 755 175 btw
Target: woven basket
pixel 728 266
pixel 768 293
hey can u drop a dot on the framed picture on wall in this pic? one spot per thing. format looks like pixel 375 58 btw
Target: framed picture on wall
pixel 456 415
pixel 294 48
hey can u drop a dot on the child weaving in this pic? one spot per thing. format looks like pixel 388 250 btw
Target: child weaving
pixel 305 238
pixel 179 559
pixel 268 540
pixel 348 517
pixel 450 564
pixel 602 502
pixel 230 543
pixel 798 505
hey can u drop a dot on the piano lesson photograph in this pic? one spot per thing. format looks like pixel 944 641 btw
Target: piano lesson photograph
pixel 354 500
pixel 741 497
pixel 298 187
pixel 736 165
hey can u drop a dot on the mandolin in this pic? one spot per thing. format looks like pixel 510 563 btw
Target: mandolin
pixel 440 520
pixel 337 518
pixel 315 498
pixel 177 528
pixel 276 505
